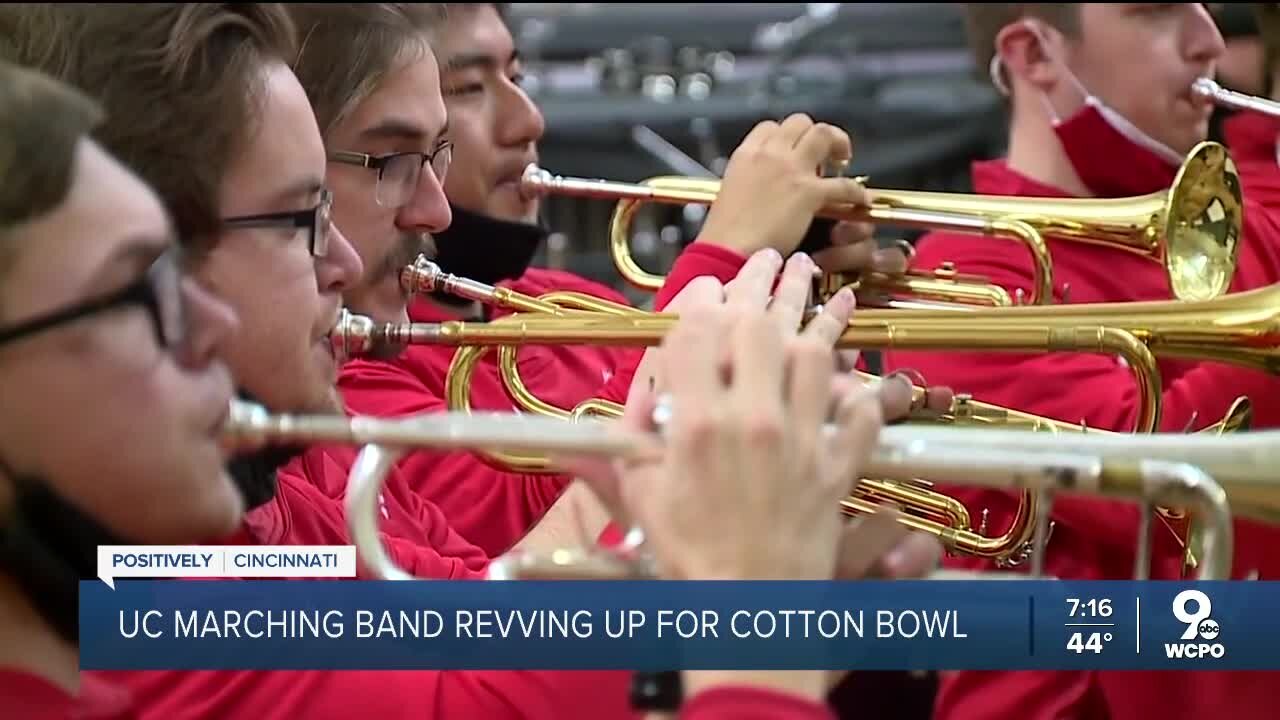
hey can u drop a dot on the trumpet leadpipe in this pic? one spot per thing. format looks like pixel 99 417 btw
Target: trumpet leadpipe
pixel 424 276
pixel 1212 91
pixel 249 426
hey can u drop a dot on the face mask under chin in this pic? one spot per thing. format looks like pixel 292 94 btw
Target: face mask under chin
pixel 47 546
pixel 486 250
pixel 1111 157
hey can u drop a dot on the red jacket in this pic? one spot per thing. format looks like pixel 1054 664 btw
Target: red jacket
pixel 420 540
pixel 493 507
pixel 1254 140
pixel 24 696
pixel 1095 539
pixel 28 697
pixel 307 511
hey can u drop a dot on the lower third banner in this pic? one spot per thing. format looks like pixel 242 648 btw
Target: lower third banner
pixel 567 625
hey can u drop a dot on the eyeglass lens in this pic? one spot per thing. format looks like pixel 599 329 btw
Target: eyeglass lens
pixel 402 173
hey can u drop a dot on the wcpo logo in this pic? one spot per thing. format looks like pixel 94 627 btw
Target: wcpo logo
pixel 1196 610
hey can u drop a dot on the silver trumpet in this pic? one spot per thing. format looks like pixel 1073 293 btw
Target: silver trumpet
pixel 1133 467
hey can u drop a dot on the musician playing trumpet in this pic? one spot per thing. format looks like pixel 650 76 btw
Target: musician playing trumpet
pixel 72 210
pixel 1100 106
pixel 226 136
pixel 494 233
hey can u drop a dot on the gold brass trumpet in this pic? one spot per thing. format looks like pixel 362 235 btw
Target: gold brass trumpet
pixel 1240 328
pixel 956 455
pixel 1193 228
pixel 941 516
pixel 426 276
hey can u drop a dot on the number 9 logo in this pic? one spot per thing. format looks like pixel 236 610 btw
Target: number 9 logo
pixel 1204 608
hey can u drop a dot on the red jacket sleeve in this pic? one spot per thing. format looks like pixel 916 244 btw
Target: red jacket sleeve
pixel 700 258
pixel 384 695
pixel 498 506
pixel 697 260
pixel 751 703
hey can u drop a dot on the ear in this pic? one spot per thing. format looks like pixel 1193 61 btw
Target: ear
pixel 1024 59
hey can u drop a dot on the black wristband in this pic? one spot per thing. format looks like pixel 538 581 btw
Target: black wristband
pixel 657 691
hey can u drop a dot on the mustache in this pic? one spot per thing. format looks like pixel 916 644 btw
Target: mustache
pixel 406 250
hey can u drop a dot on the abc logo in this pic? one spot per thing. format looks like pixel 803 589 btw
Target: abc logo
pixel 1208 629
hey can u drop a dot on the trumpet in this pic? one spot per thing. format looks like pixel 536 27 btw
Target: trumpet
pixel 426 276
pixel 1192 229
pixel 956 454
pixel 943 517
pixel 1241 328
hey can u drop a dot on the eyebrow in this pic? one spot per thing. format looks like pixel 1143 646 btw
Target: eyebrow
pixel 394 129
pixel 137 253
pixel 304 188
pixel 467 61
pixel 398 129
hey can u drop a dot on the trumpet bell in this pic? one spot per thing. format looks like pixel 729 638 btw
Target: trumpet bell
pixel 1193 228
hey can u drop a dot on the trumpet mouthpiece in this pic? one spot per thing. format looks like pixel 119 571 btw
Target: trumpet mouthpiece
pixel 352 336
pixel 536 182
pixel 1205 88
pixel 245 426
pixel 423 276
pixel 356 336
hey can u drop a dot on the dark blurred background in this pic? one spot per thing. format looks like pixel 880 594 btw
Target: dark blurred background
pixel 635 90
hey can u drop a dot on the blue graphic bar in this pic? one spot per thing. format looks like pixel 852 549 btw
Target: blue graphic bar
pixel 567 625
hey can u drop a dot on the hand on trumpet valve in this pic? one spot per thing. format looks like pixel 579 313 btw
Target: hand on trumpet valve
pixel 854 250
pixel 771 193
pixel 904 392
pixel 879 546
pixel 745 482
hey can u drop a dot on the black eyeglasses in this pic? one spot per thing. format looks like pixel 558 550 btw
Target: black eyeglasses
pixel 315 220
pixel 159 291
pixel 400 173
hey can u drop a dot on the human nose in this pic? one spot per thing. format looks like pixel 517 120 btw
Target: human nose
pixel 210 323
pixel 427 209
pixel 340 267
